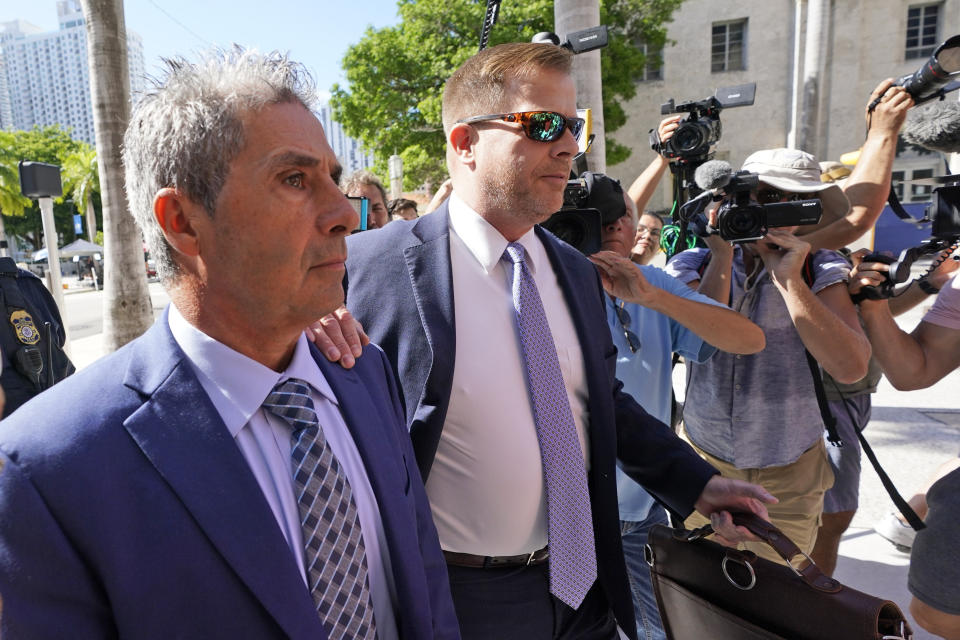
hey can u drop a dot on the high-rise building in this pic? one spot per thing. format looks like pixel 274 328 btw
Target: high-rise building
pixel 44 79
pixel 350 152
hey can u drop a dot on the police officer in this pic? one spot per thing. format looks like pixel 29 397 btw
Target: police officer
pixel 31 337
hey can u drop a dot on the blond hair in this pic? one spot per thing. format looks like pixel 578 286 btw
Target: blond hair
pixel 478 87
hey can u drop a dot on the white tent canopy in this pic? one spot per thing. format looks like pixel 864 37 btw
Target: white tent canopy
pixel 79 247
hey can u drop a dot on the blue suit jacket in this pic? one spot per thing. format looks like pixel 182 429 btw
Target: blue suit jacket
pixel 126 509
pixel 401 289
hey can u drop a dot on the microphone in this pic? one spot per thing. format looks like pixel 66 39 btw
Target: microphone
pixel 935 126
pixel 713 175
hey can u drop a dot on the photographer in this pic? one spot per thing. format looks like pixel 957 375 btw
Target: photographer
pixel 757 416
pixel 652 316
pixel 850 405
pixel 915 361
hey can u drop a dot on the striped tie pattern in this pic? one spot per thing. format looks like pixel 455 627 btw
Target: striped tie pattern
pixel 573 561
pixel 334 554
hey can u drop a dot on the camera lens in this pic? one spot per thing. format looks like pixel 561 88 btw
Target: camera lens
pixel 739 222
pixel 688 137
pixel 571 231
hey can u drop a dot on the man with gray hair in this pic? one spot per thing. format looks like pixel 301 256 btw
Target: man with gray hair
pixel 216 477
pixel 365 184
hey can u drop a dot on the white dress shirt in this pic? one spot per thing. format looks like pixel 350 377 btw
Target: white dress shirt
pixel 486 484
pixel 237 386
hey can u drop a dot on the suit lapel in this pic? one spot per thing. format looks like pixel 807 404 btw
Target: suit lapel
pixel 574 286
pixel 182 435
pixel 428 266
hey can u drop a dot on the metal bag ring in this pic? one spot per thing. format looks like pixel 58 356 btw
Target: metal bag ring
pixel 726 574
pixel 648 554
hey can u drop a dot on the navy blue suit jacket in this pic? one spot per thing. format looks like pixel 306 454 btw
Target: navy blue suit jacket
pixel 401 289
pixel 127 510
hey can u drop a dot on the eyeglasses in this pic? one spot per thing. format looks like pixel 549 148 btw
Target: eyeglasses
pixel 632 340
pixel 653 231
pixel 769 196
pixel 541 126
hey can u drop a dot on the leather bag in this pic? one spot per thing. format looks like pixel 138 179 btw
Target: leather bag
pixel 706 590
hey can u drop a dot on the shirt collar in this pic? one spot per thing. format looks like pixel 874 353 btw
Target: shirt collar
pixel 236 384
pixel 484 242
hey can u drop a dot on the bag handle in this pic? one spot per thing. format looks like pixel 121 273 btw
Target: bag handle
pixel 784 546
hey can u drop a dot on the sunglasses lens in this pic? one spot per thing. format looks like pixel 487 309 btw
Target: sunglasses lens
pixel 576 127
pixel 623 316
pixel 632 340
pixel 545 126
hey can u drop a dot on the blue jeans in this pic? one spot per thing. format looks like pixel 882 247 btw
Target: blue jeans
pixel 634 537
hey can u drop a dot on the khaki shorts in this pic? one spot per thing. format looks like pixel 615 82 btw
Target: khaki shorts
pixel 799 486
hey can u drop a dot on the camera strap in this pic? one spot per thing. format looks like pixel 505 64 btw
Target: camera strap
pixel 894 201
pixel 902 505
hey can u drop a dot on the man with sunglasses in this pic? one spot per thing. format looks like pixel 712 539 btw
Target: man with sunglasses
pixel 652 316
pixel 498 335
pixel 757 417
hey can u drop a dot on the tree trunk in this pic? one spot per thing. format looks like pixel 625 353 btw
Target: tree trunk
pixel 127 310
pixel 91 220
pixel 574 15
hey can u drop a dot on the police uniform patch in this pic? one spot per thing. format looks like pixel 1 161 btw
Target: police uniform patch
pixel 23 324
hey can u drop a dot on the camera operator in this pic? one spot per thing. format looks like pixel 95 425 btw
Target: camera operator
pixel 868 186
pixel 850 405
pixel 757 416
pixel 652 316
pixel 915 361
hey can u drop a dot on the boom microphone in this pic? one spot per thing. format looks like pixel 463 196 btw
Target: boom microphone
pixel 935 126
pixel 712 175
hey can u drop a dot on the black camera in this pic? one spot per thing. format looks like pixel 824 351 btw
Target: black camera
pixel 944 214
pixel 701 128
pixel 741 220
pixel 589 202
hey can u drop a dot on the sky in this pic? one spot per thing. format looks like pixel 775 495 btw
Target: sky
pixel 315 32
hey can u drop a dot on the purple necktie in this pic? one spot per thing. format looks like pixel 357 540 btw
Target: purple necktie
pixel 573 560
pixel 333 550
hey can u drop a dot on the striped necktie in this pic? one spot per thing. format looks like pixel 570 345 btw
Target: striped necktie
pixel 334 554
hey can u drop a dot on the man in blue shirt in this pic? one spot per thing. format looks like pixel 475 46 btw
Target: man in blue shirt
pixel 652 316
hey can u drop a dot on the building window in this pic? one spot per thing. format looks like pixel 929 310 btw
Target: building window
pixel 653 67
pixel 923 23
pixel 920 192
pixel 728 46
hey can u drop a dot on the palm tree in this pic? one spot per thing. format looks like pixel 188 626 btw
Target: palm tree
pixel 127 310
pixel 12 202
pixel 81 179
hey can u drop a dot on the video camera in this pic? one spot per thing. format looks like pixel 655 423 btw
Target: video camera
pixel 944 214
pixel 588 204
pixel 741 220
pixel 701 128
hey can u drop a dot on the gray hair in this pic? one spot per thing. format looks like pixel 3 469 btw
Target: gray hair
pixel 186 130
pixel 360 178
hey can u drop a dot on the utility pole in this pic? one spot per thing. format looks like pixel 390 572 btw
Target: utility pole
pixel 574 15
pixel 818 15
